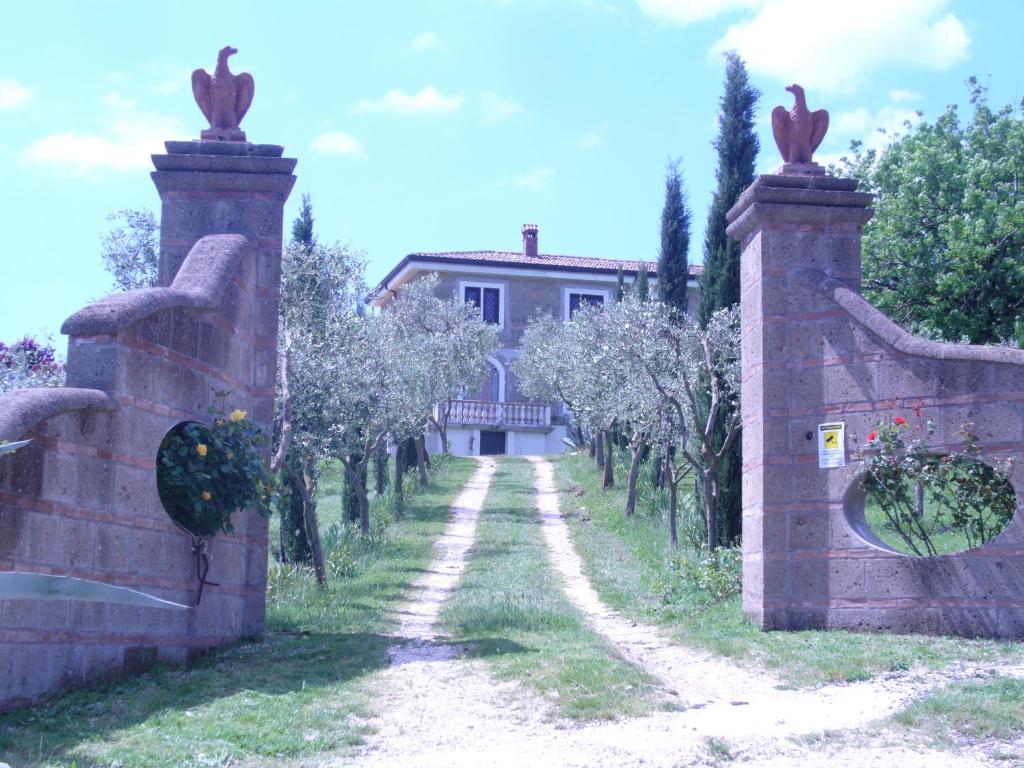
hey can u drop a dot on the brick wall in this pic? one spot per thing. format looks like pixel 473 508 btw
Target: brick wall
pixel 81 500
pixel 814 351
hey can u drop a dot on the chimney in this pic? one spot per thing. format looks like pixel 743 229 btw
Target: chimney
pixel 530 241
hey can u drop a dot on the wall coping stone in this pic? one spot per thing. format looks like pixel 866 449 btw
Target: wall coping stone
pixel 199 284
pixel 877 323
pixel 22 409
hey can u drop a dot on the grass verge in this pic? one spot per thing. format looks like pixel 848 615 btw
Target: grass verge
pixel 511 605
pixel 969 713
pixel 298 693
pixel 631 565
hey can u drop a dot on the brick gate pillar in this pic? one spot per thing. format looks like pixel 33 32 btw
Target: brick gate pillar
pixel 230 187
pixel 785 224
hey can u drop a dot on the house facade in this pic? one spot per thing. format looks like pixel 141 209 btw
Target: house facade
pixel 510 288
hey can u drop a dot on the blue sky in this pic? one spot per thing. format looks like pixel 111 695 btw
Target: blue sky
pixel 446 124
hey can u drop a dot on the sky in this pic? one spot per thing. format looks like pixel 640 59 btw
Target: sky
pixel 429 125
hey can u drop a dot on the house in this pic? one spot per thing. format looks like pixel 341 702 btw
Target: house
pixel 510 287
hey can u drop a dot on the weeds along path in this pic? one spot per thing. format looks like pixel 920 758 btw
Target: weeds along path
pixel 714 693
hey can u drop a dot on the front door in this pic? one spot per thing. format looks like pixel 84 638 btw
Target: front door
pixel 490 389
pixel 492 443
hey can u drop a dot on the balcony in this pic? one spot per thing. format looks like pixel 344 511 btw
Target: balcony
pixel 497 414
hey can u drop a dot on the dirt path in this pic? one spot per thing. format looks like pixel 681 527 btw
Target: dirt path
pixel 442 710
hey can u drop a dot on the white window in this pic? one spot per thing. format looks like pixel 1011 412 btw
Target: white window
pixel 489 298
pixel 574 297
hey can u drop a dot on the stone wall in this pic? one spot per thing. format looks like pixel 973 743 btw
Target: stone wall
pixel 813 352
pixel 81 500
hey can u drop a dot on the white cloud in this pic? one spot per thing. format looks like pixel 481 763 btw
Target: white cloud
pixel 126 144
pixel 829 47
pixel 538 178
pixel 423 41
pixel 590 140
pixel 397 101
pixel 875 129
pixel 496 109
pixel 13 94
pixel 690 11
pixel 338 143
pixel 898 95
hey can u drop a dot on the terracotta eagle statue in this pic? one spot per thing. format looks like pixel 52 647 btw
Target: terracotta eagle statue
pixel 223 97
pixel 798 131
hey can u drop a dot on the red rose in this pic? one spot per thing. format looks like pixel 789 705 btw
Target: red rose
pixel 872 436
pixel 899 421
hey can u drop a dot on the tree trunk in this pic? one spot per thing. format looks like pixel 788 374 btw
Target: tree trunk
pixel 364 508
pixel 609 461
pixel 599 455
pixel 307 487
pixel 711 496
pixel 634 472
pixel 919 500
pixel 421 460
pixel 592 448
pixel 399 478
pixel 673 528
pixel 380 468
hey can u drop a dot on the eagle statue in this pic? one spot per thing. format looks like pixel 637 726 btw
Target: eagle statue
pixel 798 131
pixel 223 97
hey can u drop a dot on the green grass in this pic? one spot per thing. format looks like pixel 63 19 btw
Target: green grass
pixel 969 713
pixel 511 606
pixel 300 692
pixel 629 562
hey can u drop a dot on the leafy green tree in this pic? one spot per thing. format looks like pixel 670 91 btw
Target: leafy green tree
pixel 131 250
pixel 737 148
pixel 673 258
pixel 943 254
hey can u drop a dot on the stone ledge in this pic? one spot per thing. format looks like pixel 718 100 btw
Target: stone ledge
pixel 879 325
pixel 200 284
pixel 22 409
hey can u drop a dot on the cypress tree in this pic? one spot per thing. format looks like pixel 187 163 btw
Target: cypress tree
pixel 737 148
pixel 673 258
pixel 302 227
pixel 620 285
pixel 642 286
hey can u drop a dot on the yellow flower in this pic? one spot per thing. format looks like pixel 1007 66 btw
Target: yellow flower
pixel 237 415
pixel 207 495
pixel 201 449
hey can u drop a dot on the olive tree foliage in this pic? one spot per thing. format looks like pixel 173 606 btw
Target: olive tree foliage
pixel 131 250
pixel 696 372
pixel 451 342
pixel 942 254
pixel 642 366
pixel 320 288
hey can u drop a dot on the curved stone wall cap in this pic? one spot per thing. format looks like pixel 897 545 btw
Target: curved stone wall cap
pixel 199 284
pixel 881 326
pixel 22 409
pixel 236 148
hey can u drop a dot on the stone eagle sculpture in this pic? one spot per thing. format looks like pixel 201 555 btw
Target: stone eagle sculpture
pixel 798 131
pixel 223 97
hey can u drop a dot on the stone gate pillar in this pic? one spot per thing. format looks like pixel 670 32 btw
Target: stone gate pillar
pixel 230 187
pixel 787 223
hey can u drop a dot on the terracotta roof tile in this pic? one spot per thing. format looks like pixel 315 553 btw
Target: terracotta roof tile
pixel 543 261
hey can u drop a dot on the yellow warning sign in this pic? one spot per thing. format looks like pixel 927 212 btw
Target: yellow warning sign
pixel 832 445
